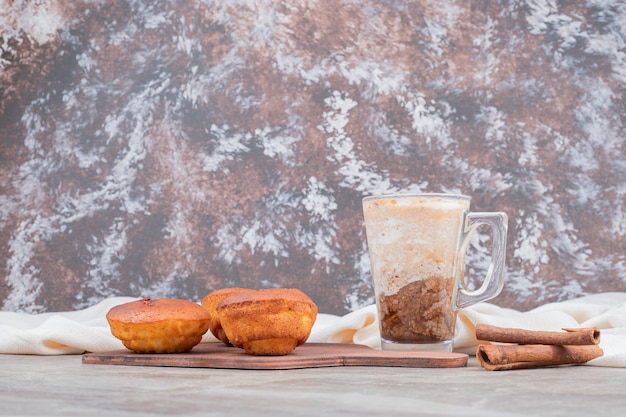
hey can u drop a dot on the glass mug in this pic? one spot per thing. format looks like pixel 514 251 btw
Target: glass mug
pixel 417 245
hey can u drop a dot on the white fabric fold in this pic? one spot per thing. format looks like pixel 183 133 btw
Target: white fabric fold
pixel 76 332
pixel 68 332
pixel 358 327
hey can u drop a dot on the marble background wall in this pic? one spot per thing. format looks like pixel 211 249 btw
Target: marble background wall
pixel 171 148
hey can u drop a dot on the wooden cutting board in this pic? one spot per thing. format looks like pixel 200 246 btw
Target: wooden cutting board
pixel 309 355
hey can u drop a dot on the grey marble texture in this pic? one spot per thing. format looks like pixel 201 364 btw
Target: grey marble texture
pixel 172 148
pixel 61 386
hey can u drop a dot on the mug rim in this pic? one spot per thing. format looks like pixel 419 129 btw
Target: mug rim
pixel 449 196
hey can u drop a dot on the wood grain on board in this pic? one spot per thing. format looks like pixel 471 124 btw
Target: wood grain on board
pixel 313 355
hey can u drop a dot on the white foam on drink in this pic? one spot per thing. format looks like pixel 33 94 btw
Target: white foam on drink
pixel 410 239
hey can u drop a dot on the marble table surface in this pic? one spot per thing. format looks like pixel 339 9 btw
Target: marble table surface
pixel 62 385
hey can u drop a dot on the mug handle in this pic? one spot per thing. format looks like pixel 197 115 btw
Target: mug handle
pixel 494 281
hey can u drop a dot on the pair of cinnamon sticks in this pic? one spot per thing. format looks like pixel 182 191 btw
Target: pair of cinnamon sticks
pixel 535 349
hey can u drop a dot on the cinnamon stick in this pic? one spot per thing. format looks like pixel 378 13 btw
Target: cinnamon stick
pixel 568 337
pixel 506 357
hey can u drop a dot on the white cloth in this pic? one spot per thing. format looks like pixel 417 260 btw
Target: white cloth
pixel 76 332
pixel 68 332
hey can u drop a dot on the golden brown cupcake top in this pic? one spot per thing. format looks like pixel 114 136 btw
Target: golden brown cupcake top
pixel 286 295
pixel 162 325
pixel 151 310
pixel 267 322
pixel 210 302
